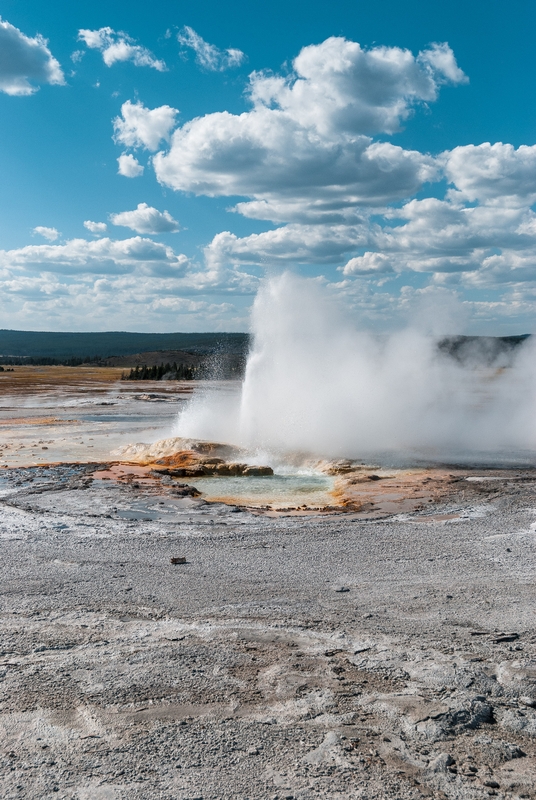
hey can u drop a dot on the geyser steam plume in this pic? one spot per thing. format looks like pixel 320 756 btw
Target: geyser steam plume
pixel 316 384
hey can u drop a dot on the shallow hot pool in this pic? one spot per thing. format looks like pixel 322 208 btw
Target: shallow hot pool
pixel 276 491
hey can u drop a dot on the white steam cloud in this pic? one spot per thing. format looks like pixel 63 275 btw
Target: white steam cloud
pixel 316 384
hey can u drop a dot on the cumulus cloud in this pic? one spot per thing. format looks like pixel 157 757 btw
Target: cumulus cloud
pixel 134 256
pixel 208 55
pixel 266 157
pixel 368 264
pixel 438 236
pixel 95 227
pixel 338 87
pixel 493 173
pixel 25 62
pixel 47 233
pixel 484 245
pixel 129 166
pixel 440 59
pixel 119 46
pixel 304 154
pixel 303 157
pixel 294 243
pixel 306 145
pixel 101 256
pixel 319 210
pixel 102 283
pixel 311 154
pixel 143 127
pixel 475 245
pixel 89 303
pixel 145 219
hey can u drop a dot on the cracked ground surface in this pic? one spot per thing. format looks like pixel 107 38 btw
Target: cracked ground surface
pixel 289 657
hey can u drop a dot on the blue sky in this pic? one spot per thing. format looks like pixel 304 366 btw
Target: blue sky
pixel 386 148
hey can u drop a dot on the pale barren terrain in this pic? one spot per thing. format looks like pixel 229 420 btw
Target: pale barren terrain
pixel 386 649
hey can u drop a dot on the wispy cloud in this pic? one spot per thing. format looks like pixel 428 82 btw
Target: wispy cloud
pixel 208 55
pixel 119 46
pixel 51 234
pixel 95 227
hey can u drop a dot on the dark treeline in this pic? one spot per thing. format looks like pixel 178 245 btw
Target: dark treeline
pixel 215 366
pixel 482 351
pixel 159 372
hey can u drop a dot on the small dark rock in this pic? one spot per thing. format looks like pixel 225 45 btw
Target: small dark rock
pixel 506 637
pixel 184 490
pixel 513 751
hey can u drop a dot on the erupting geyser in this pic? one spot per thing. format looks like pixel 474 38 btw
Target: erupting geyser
pixel 316 384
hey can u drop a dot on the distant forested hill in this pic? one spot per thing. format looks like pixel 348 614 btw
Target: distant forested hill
pixel 194 349
pixel 62 346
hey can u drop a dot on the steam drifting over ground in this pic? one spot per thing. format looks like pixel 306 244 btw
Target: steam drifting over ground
pixel 317 384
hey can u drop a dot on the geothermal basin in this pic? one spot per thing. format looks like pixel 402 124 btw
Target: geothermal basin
pixel 343 628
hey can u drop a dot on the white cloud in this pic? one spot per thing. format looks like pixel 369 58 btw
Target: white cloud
pixel 311 156
pixel 484 246
pixel 145 219
pixel 306 144
pixel 143 127
pixel 337 87
pixel 105 283
pixel 475 245
pixel 303 156
pixel 368 264
pixel 441 61
pixel 265 156
pixel 208 55
pixel 122 302
pixel 101 256
pixel 129 166
pixel 306 244
pixel 135 256
pixel 119 46
pixel 47 233
pixel 493 173
pixel 293 209
pixel 95 227
pixel 25 62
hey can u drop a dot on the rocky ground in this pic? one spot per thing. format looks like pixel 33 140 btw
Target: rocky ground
pixel 317 656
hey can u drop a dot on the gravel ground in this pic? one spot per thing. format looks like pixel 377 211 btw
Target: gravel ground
pixel 290 657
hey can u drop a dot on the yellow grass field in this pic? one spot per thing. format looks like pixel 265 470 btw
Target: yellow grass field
pixel 36 379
